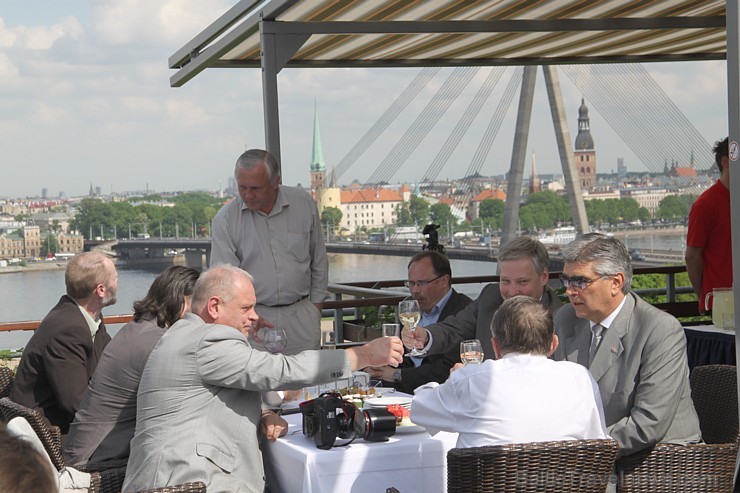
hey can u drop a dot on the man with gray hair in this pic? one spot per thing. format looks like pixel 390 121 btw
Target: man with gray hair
pixel 520 397
pixel 199 403
pixel 635 352
pixel 274 232
pixel 63 353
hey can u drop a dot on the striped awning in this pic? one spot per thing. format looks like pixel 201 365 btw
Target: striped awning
pixel 388 33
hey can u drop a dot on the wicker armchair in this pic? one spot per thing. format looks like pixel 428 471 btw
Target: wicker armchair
pixel 6 381
pixel 104 477
pixel 179 488
pixel 578 466
pixel 700 468
pixel 50 436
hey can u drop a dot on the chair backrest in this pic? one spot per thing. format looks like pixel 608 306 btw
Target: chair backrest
pixel 6 381
pixel 49 435
pixel 581 466
pixel 714 392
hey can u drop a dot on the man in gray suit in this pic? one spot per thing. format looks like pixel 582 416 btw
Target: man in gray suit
pixel 523 270
pixel 199 405
pixel 635 352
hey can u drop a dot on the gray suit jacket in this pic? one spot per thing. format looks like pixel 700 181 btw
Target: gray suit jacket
pixel 642 371
pixel 198 406
pixel 474 321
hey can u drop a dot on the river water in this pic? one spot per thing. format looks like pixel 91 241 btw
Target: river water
pixel 30 295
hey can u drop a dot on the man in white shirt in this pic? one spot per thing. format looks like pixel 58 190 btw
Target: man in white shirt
pixel 521 396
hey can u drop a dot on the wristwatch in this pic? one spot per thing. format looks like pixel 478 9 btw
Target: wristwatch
pixel 397 375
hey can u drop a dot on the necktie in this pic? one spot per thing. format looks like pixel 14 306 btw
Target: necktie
pixel 598 332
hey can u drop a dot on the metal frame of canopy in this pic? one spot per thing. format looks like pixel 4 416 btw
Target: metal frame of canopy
pixel 275 34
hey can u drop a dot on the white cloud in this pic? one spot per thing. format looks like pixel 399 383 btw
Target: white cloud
pixel 186 113
pixel 49 115
pixel 162 23
pixel 44 37
pixel 7 37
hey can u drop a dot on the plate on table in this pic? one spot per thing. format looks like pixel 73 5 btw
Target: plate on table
pixel 388 401
pixel 402 430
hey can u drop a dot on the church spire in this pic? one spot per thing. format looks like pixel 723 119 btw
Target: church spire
pixel 534 181
pixel 317 153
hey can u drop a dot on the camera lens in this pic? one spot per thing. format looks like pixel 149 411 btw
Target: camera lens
pixel 375 425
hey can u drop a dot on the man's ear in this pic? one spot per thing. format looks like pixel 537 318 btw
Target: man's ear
pixel 496 347
pixel 213 306
pixel 617 281
pixel 553 345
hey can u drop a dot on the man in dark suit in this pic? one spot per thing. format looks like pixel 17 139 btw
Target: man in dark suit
pixel 523 270
pixel 430 283
pixel 635 352
pixel 61 356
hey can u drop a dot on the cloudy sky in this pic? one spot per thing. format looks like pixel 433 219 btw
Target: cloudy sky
pixel 85 98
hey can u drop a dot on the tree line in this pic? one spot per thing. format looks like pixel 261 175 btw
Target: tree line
pixel 540 211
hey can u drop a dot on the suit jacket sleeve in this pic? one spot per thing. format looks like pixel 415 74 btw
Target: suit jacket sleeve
pixel 66 366
pixel 657 394
pixel 436 368
pixel 457 328
pixel 225 359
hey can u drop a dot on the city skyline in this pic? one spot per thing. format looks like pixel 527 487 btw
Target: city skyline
pixel 87 100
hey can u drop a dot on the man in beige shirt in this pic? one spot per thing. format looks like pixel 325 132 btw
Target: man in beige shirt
pixel 274 232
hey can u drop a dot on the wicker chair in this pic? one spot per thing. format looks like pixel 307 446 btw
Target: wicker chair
pixel 6 381
pixel 50 436
pixel 104 477
pixel 578 466
pixel 179 488
pixel 700 468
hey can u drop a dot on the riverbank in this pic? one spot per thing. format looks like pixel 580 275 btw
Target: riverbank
pixel 33 266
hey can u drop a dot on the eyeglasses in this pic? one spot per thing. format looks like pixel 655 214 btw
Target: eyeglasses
pixel 579 282
pixel 421 284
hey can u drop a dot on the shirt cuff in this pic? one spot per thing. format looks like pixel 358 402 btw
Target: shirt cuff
pixel 429 344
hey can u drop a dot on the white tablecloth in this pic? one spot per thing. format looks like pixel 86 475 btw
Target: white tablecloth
pixel 414 462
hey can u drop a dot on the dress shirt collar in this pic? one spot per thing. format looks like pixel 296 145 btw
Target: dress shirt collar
pixel 281 201
pixel 92 324
pixel 608 320
pixel 433 316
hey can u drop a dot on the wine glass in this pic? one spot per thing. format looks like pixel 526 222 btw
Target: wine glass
pixel 274 340
pixel 471 352
pixel 390 330
pixel 410 314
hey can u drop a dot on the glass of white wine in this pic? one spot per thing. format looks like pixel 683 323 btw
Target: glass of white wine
pixel 275 340
pixel 471 352
pixel 410 315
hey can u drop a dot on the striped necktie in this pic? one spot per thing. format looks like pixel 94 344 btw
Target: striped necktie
pixel 598 332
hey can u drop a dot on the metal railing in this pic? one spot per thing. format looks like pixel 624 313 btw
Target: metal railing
pixel 350 297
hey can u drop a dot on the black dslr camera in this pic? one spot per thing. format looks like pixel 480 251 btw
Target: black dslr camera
pixel 329 417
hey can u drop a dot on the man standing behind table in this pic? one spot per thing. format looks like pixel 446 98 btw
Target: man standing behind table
pixel 63 352
pixel 522 264
pixel 274 232
pixel 198 406
pixel 635 352
pixel 429 280
pixel 520 397
pixel 709 241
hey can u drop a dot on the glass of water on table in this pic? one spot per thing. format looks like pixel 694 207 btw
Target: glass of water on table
pixel 471 352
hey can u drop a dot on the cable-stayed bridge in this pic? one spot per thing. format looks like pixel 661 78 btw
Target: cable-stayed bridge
pixel 639 111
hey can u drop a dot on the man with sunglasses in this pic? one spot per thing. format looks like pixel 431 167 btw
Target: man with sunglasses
pixel 523 270
pixel 430 283
pixel 635 352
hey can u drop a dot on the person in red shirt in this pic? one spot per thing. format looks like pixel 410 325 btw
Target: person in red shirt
pixel 708 242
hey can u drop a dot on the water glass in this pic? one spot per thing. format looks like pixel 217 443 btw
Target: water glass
pixel 275 340
pixel 471 352
pixel 328 339
pixel 390 330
